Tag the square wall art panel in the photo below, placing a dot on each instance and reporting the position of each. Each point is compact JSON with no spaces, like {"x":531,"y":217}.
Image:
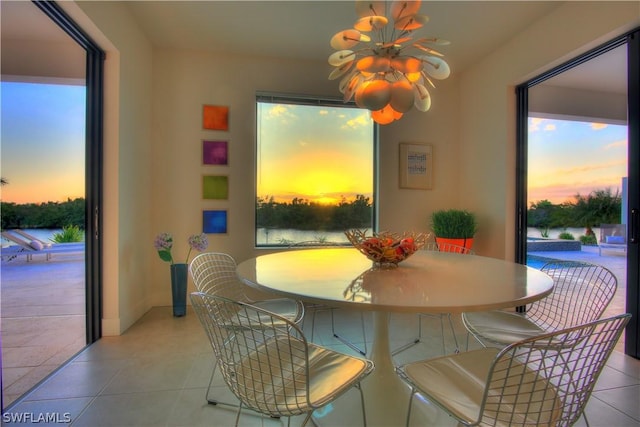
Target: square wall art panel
{"x":215,"y":153}
{"x":215,"y":117}
{"x":215,"y":187}
{"x":214,"y":222}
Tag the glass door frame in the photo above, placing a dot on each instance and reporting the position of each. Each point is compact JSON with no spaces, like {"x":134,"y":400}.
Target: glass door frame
{"x":631,"y":39}
{"x":93,"y":165}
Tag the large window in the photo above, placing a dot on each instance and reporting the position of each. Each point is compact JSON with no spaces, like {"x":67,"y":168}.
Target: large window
{"x":316,"y":162}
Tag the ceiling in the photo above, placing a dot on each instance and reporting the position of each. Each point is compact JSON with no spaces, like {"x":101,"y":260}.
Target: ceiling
{"x":302,"y":30}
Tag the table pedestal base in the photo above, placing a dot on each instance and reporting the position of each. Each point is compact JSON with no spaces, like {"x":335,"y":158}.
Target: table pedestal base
{"x":386,"y":395}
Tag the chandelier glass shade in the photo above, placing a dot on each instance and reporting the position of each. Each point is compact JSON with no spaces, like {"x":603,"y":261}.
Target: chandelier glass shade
{"x":381,"y":65}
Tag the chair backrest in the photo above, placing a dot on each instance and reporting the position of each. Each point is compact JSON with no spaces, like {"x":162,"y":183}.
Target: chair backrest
{"x":215,"y":273}
{"x":547,"y":380}
{"x":581,"y":293}
{"x":263,"y":357}
{"x":447,"y":247}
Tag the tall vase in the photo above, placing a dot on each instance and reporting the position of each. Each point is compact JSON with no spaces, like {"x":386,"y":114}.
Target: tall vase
{"x":179,"y":289}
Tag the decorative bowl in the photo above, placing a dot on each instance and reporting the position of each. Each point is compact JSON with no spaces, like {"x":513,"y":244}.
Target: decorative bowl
{"x":384,"y":248}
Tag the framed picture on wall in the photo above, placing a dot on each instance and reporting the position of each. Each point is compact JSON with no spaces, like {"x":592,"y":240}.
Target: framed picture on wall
{"x":215,"y":187}
{"x":214,"y":222}
{"x":416,"y":166}
{"x":215,"y":153}
{"x":215,"y":117}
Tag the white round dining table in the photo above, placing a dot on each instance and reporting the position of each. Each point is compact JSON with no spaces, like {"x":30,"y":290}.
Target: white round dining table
{"x":426,"y":282}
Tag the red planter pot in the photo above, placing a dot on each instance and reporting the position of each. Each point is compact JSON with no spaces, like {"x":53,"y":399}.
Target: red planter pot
{"x":464,"y":242}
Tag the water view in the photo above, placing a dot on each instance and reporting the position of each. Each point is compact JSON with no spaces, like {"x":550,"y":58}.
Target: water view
{"x":288,"y":236}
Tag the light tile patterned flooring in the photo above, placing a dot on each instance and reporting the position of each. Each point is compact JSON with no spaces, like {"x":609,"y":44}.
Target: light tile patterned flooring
{"x":157,"y":372}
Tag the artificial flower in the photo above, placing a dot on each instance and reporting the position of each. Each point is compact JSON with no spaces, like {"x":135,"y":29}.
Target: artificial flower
{"x":164,"y":244}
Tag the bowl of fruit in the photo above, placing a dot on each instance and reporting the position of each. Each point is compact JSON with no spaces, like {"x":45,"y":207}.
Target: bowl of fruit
{"x":386,"y":249}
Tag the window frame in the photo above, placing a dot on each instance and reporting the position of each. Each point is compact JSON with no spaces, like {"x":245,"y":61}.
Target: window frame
{"x":319,"y":101}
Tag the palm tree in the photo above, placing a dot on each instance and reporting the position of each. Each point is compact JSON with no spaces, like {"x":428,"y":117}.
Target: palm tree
{"x":3,"y":181}
{"x":599,"y":207}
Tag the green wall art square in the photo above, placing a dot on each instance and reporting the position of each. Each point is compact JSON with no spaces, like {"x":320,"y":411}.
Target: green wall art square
{"x":215,"y":187}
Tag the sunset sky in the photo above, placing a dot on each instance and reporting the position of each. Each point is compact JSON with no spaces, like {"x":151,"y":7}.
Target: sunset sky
{"x":42,"y":147}
{"x":568,"y":157}
{"x":339,"y":145}
{"x":42,"y":150}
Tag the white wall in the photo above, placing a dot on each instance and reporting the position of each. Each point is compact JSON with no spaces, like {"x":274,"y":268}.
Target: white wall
{"x":186,"y":80}
{"x":127,"y":247}
{"x":487,"y":120}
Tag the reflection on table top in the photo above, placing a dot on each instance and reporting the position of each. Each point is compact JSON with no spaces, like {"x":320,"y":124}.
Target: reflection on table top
{"x":428,"y":281}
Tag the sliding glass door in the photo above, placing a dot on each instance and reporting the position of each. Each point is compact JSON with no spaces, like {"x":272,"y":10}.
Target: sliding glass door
{"x":577,"y":166}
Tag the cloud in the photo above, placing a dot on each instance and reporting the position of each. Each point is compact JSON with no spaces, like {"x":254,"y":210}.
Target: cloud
{"x":616,"y":144}
{"x":598,"y":126}
{"x":359,"y":121}
{"x":590,"y":167}
{"x":282,"y":112}
{"x":561,"y":193}
{"x":534,"y":124}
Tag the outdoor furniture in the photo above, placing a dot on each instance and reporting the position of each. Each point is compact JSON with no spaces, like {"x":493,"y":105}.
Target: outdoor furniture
{"x":268,"y":364}
{"x":581,"y":293}
{"x":544,"y":380}
{"x":214,"y":273}
{"x":441,"y":247}
{"x":28,"y":248}
{"x":612,"y":236}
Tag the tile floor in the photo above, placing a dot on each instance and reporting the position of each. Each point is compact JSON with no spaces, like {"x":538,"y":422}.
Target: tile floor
{"x":42,"y":308}
{"x":157,"y":372}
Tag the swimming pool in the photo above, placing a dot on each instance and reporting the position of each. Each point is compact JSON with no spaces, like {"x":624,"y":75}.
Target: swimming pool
{"x":536,"y":261}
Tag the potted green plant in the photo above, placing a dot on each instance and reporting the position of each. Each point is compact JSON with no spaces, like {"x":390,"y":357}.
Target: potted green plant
{"x":454,"y":227}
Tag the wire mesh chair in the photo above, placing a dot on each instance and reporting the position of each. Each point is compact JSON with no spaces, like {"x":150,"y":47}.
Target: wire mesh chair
{"x":215,"y":273}
{"x":581,"y":293}
{"x":441,"y":247}
{"x":546,"y":380}
{"x":268,"y":364}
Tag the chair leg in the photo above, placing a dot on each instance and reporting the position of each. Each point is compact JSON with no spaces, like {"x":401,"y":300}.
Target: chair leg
{"x":213,"y":373}
{"x":306,"y":419}
{"x":238,"y":414}
{"x":476,"y":338}
{"x":413,"y":391}
{"x":349,"y":343}
{"x":210,"y":400}
{"x":313,"y":323}
{"x":364,"y":412}
{"x":411,"y":343}
{"x":453,"y":333}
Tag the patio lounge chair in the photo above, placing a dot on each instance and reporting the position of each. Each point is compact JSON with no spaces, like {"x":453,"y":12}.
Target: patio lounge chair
{"x":31,"y":238}
{"x":612,"y":236}
{"x":26,"y":248}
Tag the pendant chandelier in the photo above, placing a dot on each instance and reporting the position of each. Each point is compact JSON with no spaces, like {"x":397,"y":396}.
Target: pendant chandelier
{"x":380,"y":63}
